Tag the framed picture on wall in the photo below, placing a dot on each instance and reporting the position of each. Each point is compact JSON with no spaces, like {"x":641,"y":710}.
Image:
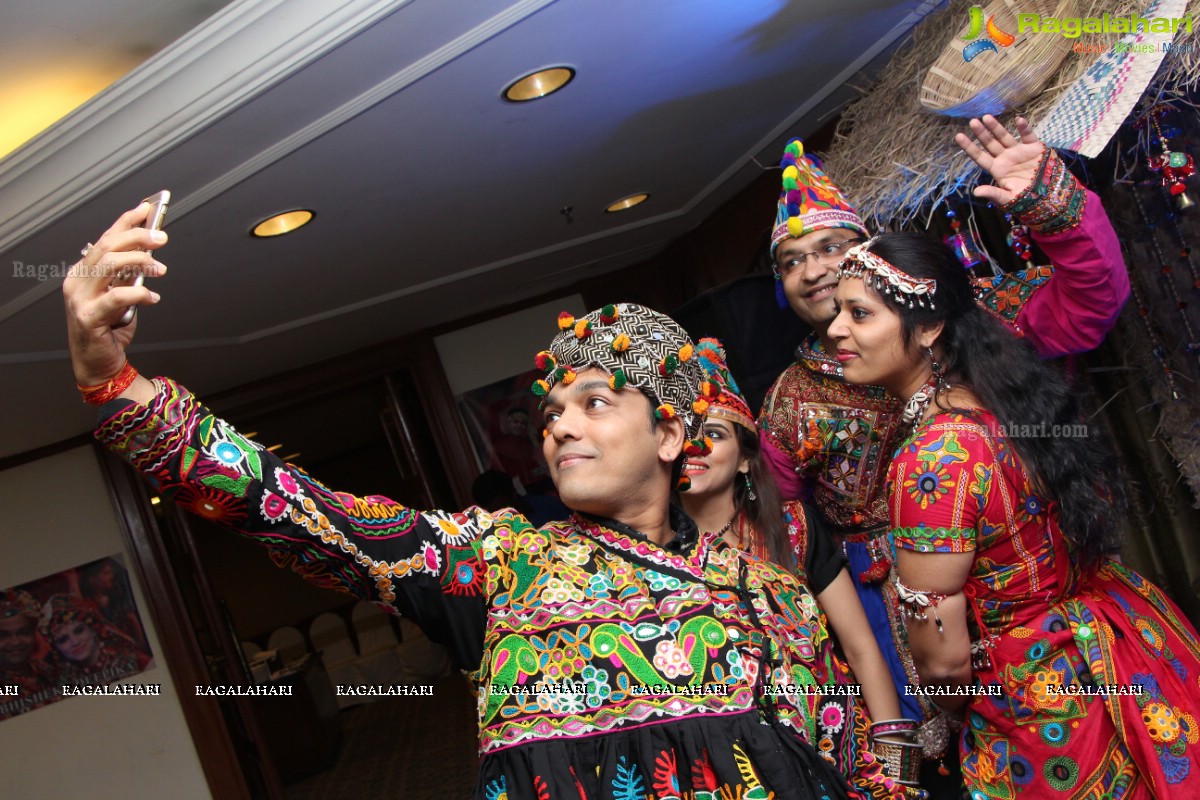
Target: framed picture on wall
{"x":76,"y":628}
{"x":505,"y":426}
{"x":489,"y":367}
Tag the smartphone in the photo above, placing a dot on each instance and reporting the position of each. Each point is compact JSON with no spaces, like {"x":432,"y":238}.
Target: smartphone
{"x":154,"y":221}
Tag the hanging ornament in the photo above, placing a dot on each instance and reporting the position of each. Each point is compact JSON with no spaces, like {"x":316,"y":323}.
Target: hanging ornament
{"x":1167,"y":281}
{"x":1019,"y":239}
{"x":1173,"y":166}
{"x":968,"y":250}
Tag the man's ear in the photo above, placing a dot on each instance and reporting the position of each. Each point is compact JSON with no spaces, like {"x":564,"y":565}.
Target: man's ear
{"x":671,"y":436}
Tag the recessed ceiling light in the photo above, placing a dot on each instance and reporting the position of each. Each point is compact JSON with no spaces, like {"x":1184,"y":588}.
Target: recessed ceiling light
{"x":283,"y":223}
{"x":627,"y":202}
{"x":538,"y":84}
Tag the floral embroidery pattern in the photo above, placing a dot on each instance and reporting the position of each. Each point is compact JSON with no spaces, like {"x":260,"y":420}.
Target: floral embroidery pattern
{"x":1048,"y":732}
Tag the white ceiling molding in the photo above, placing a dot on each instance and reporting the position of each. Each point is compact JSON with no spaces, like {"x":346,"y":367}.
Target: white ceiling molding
{"x":221,"y":65}
{"x":351,"y":109}
{"x":380,"y":92}
{"x":129,"y":157}
{"x":7,"y":359}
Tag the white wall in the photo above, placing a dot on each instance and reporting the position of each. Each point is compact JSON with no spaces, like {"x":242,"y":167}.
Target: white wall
{"x":57,"y":515}
{"x":502,"y":347}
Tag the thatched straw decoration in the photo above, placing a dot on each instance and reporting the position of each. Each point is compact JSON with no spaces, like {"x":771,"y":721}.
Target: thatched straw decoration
{"x":894,"y":160}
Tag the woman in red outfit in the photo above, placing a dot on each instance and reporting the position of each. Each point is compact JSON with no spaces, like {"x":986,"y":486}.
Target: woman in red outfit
{"x":1069,"y":674}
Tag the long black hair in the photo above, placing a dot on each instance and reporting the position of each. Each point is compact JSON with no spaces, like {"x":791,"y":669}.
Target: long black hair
{"x":1022,"y":392}
{"x":763,"y":513}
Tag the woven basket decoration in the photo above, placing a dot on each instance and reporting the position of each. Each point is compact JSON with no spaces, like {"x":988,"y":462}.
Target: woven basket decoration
{"x":989,"y":68}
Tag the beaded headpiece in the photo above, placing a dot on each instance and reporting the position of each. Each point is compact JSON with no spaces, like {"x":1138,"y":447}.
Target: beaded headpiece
{"x":729,"y":404}
{"x":639,"y":348}
{"x":63,"y":609}
{"x":886,"y":278}
{"x":809,"y":201}
{"x":18,"y":603}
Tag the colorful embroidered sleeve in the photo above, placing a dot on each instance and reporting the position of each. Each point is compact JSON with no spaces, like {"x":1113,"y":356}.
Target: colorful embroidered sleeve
{"x":422,"y":564}
{"x":938,"y":485}
{"x":791,"y":459}
{"x":783,"y":469}
{"x":1078,"y":306}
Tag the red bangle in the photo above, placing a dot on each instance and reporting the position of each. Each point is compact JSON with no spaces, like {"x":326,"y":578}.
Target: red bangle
{"x":101,"y":393}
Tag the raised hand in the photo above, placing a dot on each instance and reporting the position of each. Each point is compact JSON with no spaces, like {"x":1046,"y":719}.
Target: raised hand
{"x":1012,"y":162}
{"x":96,"y":299}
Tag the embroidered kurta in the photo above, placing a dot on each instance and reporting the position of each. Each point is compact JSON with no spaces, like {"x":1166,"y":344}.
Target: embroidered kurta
{"x":1054,"y":634}
{"x":607,"y":666}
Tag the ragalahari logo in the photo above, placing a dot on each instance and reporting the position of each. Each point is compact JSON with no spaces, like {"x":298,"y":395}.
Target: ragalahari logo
{"x":991,"y":33}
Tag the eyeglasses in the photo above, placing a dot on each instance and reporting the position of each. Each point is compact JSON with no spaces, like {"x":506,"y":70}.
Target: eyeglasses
{"x":826,"y":255}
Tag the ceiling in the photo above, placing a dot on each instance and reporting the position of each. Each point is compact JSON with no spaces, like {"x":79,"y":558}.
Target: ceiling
{"x":435,"y":200}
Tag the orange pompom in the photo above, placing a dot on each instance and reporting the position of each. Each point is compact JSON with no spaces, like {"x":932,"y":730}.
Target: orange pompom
{"x":621,"y":343}
{"x":583,"y":328}
{"x":565,"y":320}
{"x":812,"y":443}
{"x":685,"y":353}
{"x":700,"y":406}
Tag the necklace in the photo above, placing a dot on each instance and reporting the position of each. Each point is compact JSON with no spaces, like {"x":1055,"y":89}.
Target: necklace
{"x":725,"y":528}
{"x":914,"y":409}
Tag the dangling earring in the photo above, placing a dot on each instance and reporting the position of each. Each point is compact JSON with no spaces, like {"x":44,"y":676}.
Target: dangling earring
{"x":939,"y":377}
{"x":750,"y":495}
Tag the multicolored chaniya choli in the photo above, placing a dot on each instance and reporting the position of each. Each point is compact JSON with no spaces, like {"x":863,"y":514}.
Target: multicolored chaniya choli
{"x":607,"y":666}
{"x":1050,"y":633}
{"x":833,"y":441}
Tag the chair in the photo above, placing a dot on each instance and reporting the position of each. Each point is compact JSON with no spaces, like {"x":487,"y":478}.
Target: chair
{"x":373,"y":628}
{"x":329,"y":636}
{"x":289,"y":642}
{"x":386,"y":660}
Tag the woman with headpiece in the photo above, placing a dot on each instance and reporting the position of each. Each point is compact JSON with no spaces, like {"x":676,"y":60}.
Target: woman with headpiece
{"x":1066,"y":673}
{"x":87,"y":650}
{"x":731,"y":491}
{"x":831,"y":441}
{"x":104,"y":583}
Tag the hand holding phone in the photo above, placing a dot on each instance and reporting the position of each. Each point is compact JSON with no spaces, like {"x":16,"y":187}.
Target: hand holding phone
{"x":154,"y":221}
